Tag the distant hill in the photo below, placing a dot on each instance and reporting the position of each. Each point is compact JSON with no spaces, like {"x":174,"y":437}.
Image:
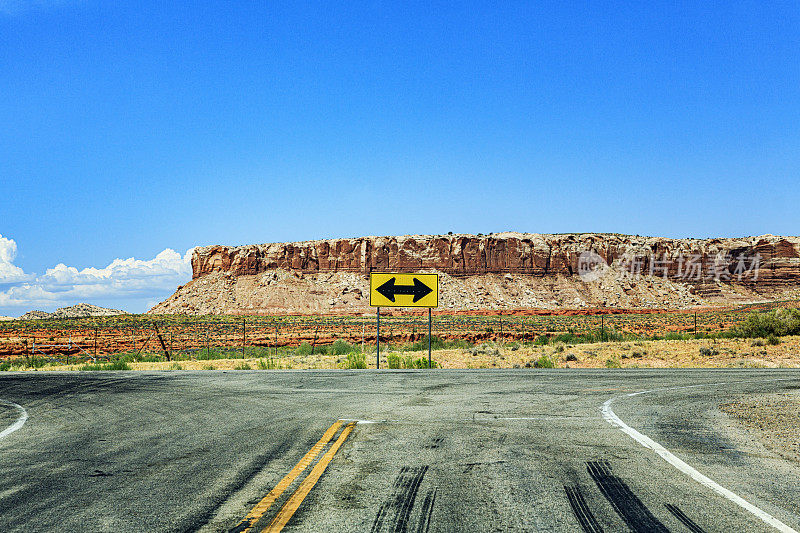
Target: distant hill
{"x":74,"y":311}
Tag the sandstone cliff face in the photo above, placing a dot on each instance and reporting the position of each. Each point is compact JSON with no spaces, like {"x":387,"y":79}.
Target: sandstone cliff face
{"x":514,"y":253}
{"x":725,"y":268}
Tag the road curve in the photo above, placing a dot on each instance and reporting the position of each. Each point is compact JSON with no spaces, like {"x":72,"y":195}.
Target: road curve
{"x":22,"y":417}
{"x":683,"y":467}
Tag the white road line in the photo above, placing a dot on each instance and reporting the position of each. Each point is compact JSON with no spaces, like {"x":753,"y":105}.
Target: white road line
{"x":23,"y":416}
{"x":668,"y":456}
{"x":543,"y":417}
{"x":359,"y":421}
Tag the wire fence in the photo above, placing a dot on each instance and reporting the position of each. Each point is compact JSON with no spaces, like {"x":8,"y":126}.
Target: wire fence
{"x":101,"y":338}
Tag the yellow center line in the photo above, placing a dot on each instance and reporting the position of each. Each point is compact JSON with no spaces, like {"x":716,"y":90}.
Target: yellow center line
{"x":291,"y":506}
{"x":261,"y":507}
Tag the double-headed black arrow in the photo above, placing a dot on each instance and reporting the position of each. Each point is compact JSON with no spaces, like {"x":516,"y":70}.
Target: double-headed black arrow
{"x":419,"y":290}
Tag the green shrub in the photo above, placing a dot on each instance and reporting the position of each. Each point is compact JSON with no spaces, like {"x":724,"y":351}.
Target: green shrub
{"x":115,"y":365}
{"x":242,"y":366}
{"x":542,"y":340}
{"x":708,"y":351}
{"x":544,"y":362}
{"x":773,"y":340}
{"x":587,"y":337}
{"x":566,"y":338}
{"x":422,"y":362}
{"x":5,"y":365}
{"x":142,"y":358}
{"x":340,"y":347}
{"x":304,"y":348}
{"x":355,"y":360}
{"x":393,"y":360}
{"x":437,"y":343}
{"x":778,"y":323}
{"x":33,"y":361}
{"x":175,"y":366}
{"x":269,"y":364}
{"x":214,"y":353}
{"x":613,"y":363}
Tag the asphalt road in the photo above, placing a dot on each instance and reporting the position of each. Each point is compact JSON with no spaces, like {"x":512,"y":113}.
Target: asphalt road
{"x":494,"y":450}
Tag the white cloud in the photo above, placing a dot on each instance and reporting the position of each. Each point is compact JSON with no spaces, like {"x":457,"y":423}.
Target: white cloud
{"x":9,"y":272}
{"x":65,"y":285}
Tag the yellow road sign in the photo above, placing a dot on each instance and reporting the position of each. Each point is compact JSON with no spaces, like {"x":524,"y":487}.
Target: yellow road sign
{"x":394,"y":289}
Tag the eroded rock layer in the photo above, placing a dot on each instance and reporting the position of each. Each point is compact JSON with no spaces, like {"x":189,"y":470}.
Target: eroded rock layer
{"x":641,"y":271}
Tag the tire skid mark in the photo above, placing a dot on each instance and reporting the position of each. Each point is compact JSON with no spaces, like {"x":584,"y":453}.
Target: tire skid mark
{"x":685,"y":520}
{"x":582,"y":512}
{"x":427,"y":510}
{"x":630,"y":508}
{"x":401,"y":524}
{"x":401,"y":502}
{"x":435,"y":443}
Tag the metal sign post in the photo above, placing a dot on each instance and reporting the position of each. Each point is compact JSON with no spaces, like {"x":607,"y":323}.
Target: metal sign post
{"x":378,"y":345}
{"x":429,"y":337}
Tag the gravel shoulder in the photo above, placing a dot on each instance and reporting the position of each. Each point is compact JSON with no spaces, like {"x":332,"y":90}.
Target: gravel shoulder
{"x":773,"y":418}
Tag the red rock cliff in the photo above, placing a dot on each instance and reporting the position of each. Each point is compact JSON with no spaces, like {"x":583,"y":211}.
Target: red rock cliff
{"x":517,"y":253}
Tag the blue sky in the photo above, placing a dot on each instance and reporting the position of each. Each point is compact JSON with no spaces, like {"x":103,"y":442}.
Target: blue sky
{"x":131,"y":128}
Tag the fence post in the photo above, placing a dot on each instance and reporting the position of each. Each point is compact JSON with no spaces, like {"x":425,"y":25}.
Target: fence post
{"x":313,"y":344}
{"x":602,"y":328}
{"x":244,"y":335}
{"x":163,"y":344}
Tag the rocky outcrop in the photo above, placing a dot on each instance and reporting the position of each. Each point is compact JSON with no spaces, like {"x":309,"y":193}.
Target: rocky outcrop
{"x":34,"y":315}
{"x":708,"y":268}
{"x":81,"y":310}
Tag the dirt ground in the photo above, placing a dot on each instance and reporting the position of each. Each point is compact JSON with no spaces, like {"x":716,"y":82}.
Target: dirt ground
{"x":774,"y":418}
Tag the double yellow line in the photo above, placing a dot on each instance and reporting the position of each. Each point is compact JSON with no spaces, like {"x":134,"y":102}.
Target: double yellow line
{"x":293,"y":503}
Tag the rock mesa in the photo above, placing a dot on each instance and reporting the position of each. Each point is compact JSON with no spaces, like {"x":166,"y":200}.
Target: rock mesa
{"x":498,"y":271}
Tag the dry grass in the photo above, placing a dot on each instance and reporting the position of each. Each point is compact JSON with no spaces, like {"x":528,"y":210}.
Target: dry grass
{"x":726,"y":353}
